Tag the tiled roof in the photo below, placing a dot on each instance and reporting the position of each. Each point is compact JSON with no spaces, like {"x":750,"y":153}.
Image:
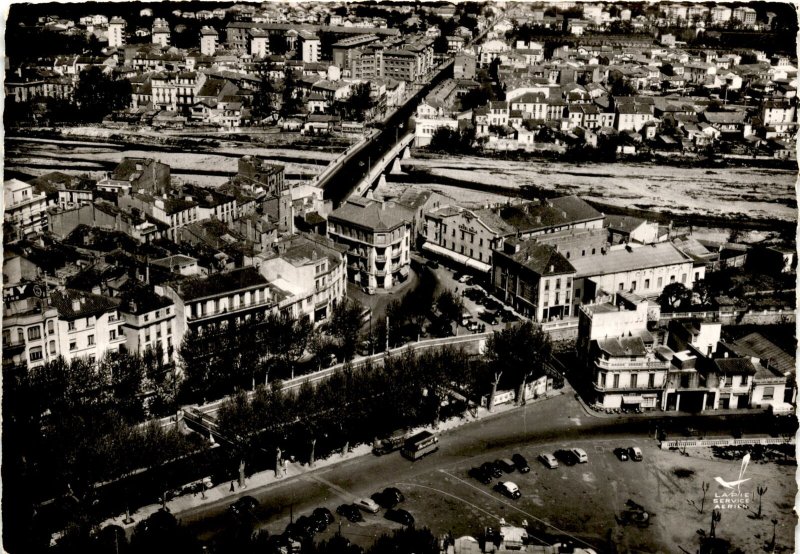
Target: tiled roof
{"x":623,"y":222}
{"x":371,"y":214}
{"x":738,"y":366}
{"x":88,"y":304}
{"x":220,"y":283}
{"x":143,"y":300}
{"x":623,"y":346}
{"x":621,"y":260}
{"x":542,"y":259}
{"x":757,"y":346}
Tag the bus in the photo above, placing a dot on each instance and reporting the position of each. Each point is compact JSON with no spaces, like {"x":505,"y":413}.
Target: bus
{"x":420,"y":445}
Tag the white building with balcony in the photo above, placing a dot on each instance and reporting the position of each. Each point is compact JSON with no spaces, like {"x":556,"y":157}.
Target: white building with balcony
{"x":89,"y":325}
{"x":25,"y":210}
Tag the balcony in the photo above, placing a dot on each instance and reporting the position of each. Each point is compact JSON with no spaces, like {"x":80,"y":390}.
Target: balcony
{"x":631,"y":364}
{"x":639,"y":389}
{"x":380,"y":259}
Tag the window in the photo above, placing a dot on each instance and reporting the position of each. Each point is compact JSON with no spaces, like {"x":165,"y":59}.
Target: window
{"x":616,"y":380}
{"x":683,"y":278}
{"x":634,"y":380}
{"x":647,"y":284}
{"x":568,"y":255}
{"x":73,"y":345}
{"x":91,"y":340}
{"x":696,"y":275}
{"x":71,"y":325}
{"x":51,"y":327}
{"x":36,"y":353}
{"x":112,"y":334}
{"x":52,"y":348}
{"x":660,"y":282}
{"x":546,"y":284}
{"x":622,"y":286}
{"x":578,"y":293}
{"x":633,"y":285}
{"x":583,"y":252}
{"x":769,"y":393}
{"x":745,"y":379}
{"x":593,"y":251}
{"x":557,"y":302}
{"x":34,"y":333}
{"x":671,"y":278}
{"x":603,"y":379}
{"x":651,"y":380}
{"x":558,"y":283}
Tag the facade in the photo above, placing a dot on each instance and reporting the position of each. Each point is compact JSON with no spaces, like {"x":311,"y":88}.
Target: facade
{"x":378,"y":238}
{"x":533,"y":278}
{"x":466,"y":236}
{"x":24,"y":210}
{"x":259,"y":43}
{"x":143,"y":174}
{"x":464,"y":66}
{"x":208,"y":41}
{"x":263,"y":175}
{"x":116,"y":32}
{"x":312,"y":270}
{"x":160,"y":33}
{"x":30,"y":333}
{"x":149,"y":324}
{"x":310,"y":47}
{"x":89,"y":325}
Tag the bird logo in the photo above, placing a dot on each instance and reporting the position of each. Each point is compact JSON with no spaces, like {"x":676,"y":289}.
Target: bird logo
{"x":738,"y":482}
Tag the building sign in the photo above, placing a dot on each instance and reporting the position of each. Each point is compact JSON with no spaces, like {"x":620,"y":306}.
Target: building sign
{"x":26,"y":290}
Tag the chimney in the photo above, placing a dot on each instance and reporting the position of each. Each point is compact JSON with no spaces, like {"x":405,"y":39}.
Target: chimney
{"x":552,"y":268}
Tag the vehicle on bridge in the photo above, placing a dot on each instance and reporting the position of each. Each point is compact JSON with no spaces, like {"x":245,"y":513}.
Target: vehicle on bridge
{"x":420,"y":445}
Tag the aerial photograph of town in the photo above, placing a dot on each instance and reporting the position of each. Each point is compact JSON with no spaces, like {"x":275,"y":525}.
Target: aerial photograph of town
{"x":399,"y":277}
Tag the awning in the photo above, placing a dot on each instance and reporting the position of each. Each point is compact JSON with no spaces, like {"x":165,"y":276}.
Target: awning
{"x":632,"y":399}
{"x":456,"y":257}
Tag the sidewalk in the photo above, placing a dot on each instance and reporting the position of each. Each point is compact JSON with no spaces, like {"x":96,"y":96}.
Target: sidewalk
{"x":294,"y":470}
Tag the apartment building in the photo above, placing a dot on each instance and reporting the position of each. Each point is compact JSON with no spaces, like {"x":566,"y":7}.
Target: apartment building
{"x":30,"y":328}
{"x":149,"y":323}
{"x":116,"y":32}
{"x":209,"y":41}
{"x":25,"y":210}
{"x":378,"y":238}
{"x":89,"y":325}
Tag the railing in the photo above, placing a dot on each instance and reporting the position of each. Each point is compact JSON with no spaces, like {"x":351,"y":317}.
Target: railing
{"x":698,"y":443}
{"x":561,"y":324}
{"x":632,"y":364}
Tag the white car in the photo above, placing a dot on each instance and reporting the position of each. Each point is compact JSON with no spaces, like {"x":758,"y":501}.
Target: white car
{"x":509,"y":489}
{"x":580,"y":455}
{"x":368,"y":505}
{"x":548,"y":460}
{"x":463,"y":278}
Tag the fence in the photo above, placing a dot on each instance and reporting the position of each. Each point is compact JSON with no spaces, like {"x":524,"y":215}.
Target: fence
{"x":738,"y":317}
{"x":697,"y":443}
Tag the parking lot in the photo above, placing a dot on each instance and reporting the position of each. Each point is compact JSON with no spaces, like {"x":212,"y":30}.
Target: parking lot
{"x":585,"y":501}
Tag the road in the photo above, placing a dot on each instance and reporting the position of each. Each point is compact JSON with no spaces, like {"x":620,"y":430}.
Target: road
{"x":555,"y":420}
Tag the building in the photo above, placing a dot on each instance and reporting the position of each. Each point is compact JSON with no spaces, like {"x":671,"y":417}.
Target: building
{"x":89,"y":325}
{"x":378,"y":238}
{"x":206,"y":302}
{"x":312,"y":269}
{"x":259,"y":43}
{"x":30,"y":328}
{"x":143,"y":175}
{"x":744,"y":15}
{"x":310,"y":47}
{"x":116,"y":32}
{"x":24,"y":210}
{"x":399,"y":64}
{"x":149,"y":323}
{"x":464,"y":66}
{"x":643,"y":270}
{"x":533,"y":278}
{"x":624,"y":367}
{"x":720,"y":15}
{"x":174,"y":212}
{"x":624,"y":229}
{"x":209,"y":40}
{"x":160,"y":32}
{"x":262,"y":174}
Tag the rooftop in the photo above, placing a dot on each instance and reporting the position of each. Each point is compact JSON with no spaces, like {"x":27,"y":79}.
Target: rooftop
{"x":628,"y":259}
{"x":374,"y":215}
{"x":220,"y":283}
{"x":74,"y":304}
{"x":757,"y":346}
{"x":542,"y":259}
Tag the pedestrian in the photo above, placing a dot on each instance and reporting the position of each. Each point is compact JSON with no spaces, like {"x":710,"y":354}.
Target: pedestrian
{"x":232,"y":489}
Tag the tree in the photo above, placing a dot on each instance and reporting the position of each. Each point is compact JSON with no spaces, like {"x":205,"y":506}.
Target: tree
{"x":359,"y":103}
{"x":521,"y":353}
{"x":761,"y":490}
{"x":450,"y":305}
{"x":675,"y":295}
{"x":287,"y":338}
{"x":440,"y":45}
{"x":704,"y":292}
{"x":263,"y":106}
{"x":97,"y":94}
{"x":344,"y":325}
{"x":290,"y":103}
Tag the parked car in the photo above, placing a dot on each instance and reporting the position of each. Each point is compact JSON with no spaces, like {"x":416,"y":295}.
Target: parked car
{"x":394,"y":491}
{"x":481,"y":475}
{"x":306,"y":525}
{"x":548,"y":460}
{"x":433,"y":264}
{"x":509,"y":317}
{"x":350,"y":512}
{"x":566,"y":457}
{"x":490,"y":318}
{"x":635,"y":453}
{"x":621,"y":454}
{"x":492,"y":470}
{"x":302,"y":531}
{"x":368,"y":505}
{"x":322,"y":517}
{"x":506,"y":465}
{"x":580,"y":455}
{"x":464,"y":278}
{"x":244,"y":505}
{"x":400,"y":516}
{"x":492,"y":304}
{"x":521,"y":463}
{"x":388,"y":498}
{"x":508,"y":489}
{"x":474,"y":326}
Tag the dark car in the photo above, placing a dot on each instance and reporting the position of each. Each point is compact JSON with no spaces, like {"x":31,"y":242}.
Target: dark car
{"x":621,"y":454}
{"x":521,"y":463}
{"x":400,"y":516}
{"x":322,"y":517}
{"x":506,"y":465}
{"x":388,"y":498}
{"x":566,"y":457}
{"x":481,"y":475}
{"x":509,"y":317}
{"x":491,"y":469}
{"x":350,"y":512}
{"x":433,"y":264}
{"x":492,"y":304}
{"x":306,"y":525}
{"x":244,"y":505}
{"x":490,"y":318}
{"x":300,"y":531}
